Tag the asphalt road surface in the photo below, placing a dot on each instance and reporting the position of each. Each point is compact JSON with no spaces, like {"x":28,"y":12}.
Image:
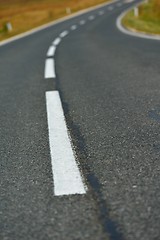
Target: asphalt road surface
{"x":109,"y":86}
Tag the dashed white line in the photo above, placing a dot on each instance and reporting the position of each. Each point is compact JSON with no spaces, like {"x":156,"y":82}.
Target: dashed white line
{"x":101,"y":13}
{"x":63,"y":34}
{"x":49,"y":71}
{"x":119,"y":4}
{"x":91,"y":17}
{"x":82,"y":22}
{"x":73,"y":27}
{"x":110,"y":8}
{"x":53,"y":23}
{"x":56,"y":41}
{"x":66,"y":175}
{"x":51,"y":51}
{"x":128,"y":1}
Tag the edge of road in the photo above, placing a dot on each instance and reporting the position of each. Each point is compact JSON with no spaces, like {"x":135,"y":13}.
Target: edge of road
{"x":131,"y":31}
{"x":55,"y":22}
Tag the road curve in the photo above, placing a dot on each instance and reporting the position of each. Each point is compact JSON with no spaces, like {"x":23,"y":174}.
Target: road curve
{"x":108,"y":84}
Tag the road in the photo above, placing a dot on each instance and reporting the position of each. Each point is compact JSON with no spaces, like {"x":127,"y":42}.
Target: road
{"x":109,"y":86}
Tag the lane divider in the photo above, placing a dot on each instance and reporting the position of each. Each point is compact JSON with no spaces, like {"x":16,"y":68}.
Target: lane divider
{"x":101,"y":13}
{"x":51,"y":51}
{"x":73,"y":27}
{"x":55,"y":22}
{"x":110,"y":8}
{"x":119,"y":4}
{"x":91,"y":17}
{"x":57,"y":41}
{"x":82,"y":22}
{"x":63,"y":34}
{"x":66,"y":174}
{"x":49,"y":68}
{"x":50,"y":73}
{"x":67,"y":177}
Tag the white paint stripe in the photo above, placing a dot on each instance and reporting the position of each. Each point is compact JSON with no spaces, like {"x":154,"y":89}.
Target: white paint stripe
{"x":53,"y":23}
{"x":66,"y":175}
{"x":128,"y":1}
{"x":119,"y":4}
{"x":51,"y":51}
{"x":56,"y":41}
{"x":91,"y":17}
{"x":63,"y":34}
{"x":110,"y":8}
{"x":73,"y":27}
{"x":82,"y":22}
{"x":49,"y":71}
{"x":101,"y":13}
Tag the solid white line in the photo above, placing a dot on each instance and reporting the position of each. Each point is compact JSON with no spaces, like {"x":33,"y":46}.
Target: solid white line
{"x":56,"y":41}
{"x":66,"y":175}
{"x":82,"y":22}
{"x":49,"y":71}
{"x":63,"y":34}
{"x":73,"y":27}
{"x":51,"y":51}
{"x":91,"y":17}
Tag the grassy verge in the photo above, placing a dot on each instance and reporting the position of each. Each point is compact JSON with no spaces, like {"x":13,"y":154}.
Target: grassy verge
{"x":27,"y":14}
{"x":148,"y":19}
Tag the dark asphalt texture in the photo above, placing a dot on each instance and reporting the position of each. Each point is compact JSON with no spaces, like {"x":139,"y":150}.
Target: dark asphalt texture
{"x":110,"y":89}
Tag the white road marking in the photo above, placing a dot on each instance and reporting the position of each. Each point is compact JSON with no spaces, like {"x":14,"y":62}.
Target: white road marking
{"x":101,"y":13}
{"x":82,"y":22}
{"x":110,"y":8}
{"x":66,"y":175}
{"x":51,"y":51}
{"x":128,"y":1}
{"x":63,"y":34}
{"x":56,"y":41}
{"x":49,"y":71}
{"x":73,"y":27}
{"x":91,"y":17}
{"x":119,"y":4}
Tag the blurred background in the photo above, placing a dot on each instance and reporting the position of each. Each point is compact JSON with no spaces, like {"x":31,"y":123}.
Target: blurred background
{"x":17,"y":16}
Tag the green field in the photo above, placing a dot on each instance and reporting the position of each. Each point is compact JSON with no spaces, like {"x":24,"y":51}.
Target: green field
{"x":27,"y":14}
{"x":148,"y":20}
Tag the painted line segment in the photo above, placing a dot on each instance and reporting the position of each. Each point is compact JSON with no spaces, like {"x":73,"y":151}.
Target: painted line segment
{"x":119,"y":4}
{"x":82,"y":22}
{"x":49,"y":71}
{"x":101,"y":13}
{"x":56,"y":41}
{"x":51,"y":51}
{"x":66,"y":175}
{"x":63,"y":34}
{"x":91,"y":17}
{"x":73,"y":27}
{"x":110,"y":8}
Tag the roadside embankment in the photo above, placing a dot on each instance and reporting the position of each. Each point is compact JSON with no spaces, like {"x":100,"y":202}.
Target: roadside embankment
{"x":144,"y":18}
{"x":18,"y":16}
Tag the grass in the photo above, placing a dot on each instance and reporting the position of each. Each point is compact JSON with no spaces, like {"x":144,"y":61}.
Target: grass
{"x":27,"y":14}
{"x":148,"y":20}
